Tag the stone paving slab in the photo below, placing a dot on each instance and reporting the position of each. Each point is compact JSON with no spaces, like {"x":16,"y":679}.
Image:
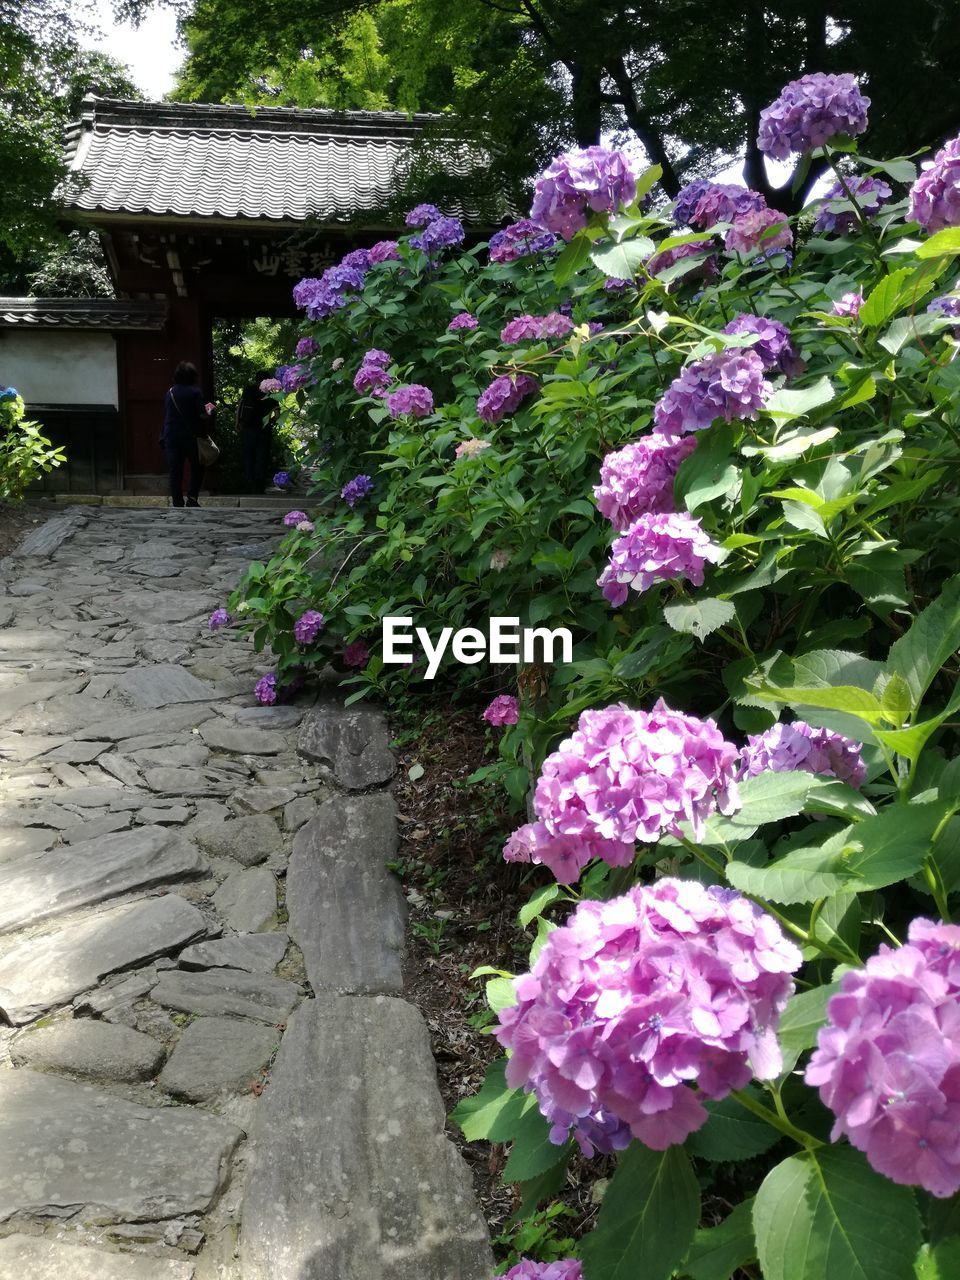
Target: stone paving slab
{"x":227,"y":992}
{"x":34,"y":1258}
{"x":354,"y":742}
{"x":73,"y":1146}
{"x":350,"y":1172}
{"x":162,"y":685}
{"x":254,"y":952}
{"x":90,"y":1049}
{"x":218,"y":1055}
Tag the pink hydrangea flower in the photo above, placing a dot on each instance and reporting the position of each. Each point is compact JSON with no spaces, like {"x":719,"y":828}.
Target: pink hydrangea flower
{"x":723,"y":202}
{"x":625,"y":776}
{"x":764,"y":229}
{"x":384,"y":251}
{"x":887,"y":1063}
{"x":639,"y":477}
{"x":566,"y":1269}
{"x":502,"y":710}
{"x":935,"y":196}
{"x":470,"y":448}
{"x":658,"y":546}
{"x":307,"y":627}
{"x":462,"y":320}
{"x":294,"y":517}
{"x":415,"y":400}
{"x":707,"y":267}
{"x":270,"y":385}
{"x":799,"y":745}
{"x":521,"y":329}
{"x":848,"y":305}
{"x":356,"y":654}
{"x":597,"y":178}
{"x":727,"y":385}
{"x":636,"y":1000}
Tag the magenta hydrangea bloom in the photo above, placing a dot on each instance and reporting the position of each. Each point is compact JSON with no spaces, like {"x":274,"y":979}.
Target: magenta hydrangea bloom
{"x":520,"y":329}
{"x":848,"y":305}
{"x":625,"y":776}
{"x":356,"y":489}
{"x":639,"y":478}
{"x":935,"y":196}
{"x":462,"y":320}
{"x":887,"y":1063}
{"x":723,"y":202}
{"x":702,"y":270}
{"x":270,"y":385}
{"x":765,"y":229}
{"x":799,"y":745}
{"x":504,"y":395}
{"x":265,"y":690}
{"x":219,"y":618}
{"x":356,"y":654}
{"x":421,"y":214}
{"x":566,"y":1269}
{"x":384,"y":251}
{"x":774,"y":345}
{"x":502,"y":710}
{"x":294,"y":517}
{"x":657,"y":547}
{"x":597,"y":178}
{"x":307,"y":627}
{"x":520,"y":240}
{"x":414,"y":399}
{"x":870,"y":194}
{"x":306,"y":347}
{"x":639,"y":1007}
{"x":727,"y":385}
{"x":809,"y":112}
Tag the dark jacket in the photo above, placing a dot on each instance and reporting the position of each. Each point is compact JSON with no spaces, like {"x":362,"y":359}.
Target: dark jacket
{"x":184,"y":416}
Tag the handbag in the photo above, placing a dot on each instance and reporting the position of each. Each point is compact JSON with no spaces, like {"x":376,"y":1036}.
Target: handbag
{"x":207,"y":451}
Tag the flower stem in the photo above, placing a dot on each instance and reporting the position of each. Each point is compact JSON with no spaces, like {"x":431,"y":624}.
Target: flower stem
{"x":777,"y":1119}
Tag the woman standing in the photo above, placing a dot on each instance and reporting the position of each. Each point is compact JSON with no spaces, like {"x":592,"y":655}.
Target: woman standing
{"x":185,"y":416}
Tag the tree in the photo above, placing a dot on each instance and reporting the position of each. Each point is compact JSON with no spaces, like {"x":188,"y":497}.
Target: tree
{"x":687,"y":78}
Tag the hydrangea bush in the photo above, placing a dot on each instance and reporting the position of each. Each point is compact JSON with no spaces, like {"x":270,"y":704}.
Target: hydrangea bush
{"x":721,"y":447}
{"x":25,"y":452}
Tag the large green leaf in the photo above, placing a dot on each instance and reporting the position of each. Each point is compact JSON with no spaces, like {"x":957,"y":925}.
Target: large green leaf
{"x":699,"y":617}
{"x":944,"y":243}
{"x":732,"y":1133}
{"x":769,"y":797}
{"x":623,"y":260}
{"x":709,"y":471}
{"x":846,"y":698}
{"x":805,"y":1014}
{"x":933,"y":638}
{"x":647,"y":1220}
{"x":884,"y":300}
{"x":716,"y":1253}
{"x":787,"y":404}
{"x":826,"y":1215}
{"x":574,"y":256}
{"x":494,"y":1113}
{"x":803,"y":875}
{"x":532,"y":1152}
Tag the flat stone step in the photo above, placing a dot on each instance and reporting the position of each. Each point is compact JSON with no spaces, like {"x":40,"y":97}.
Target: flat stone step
{"x":354,"y":742}
{"x":39,"y":1258}
{"x":350,"y":1172}
{"x":227,"y":992}
{"x":73,"y":1146}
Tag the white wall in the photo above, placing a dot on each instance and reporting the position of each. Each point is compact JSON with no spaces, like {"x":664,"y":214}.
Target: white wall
{"x":54,"y":366}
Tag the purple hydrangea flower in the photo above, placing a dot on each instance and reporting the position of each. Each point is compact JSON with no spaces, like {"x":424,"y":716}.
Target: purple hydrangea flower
{"x":809,"y":112}
{"x":282,"y":480}
{"x":656,"y":547}
{"x":935,"y":196}
{"x":597,"y":178}
{"x":727,"y":385}
{"x":615,"y":284}
{"x":379,"y":359}
{"x":723,"y":202}
{"x":848,"y":305}
{"x":306,"y":347}
{"x":887,"y":1063}
{"x":504,"y":395}
{"x":294,"y":517}
{"x":462,"y":320}
{"x":219,"y":618}
{"x":948,"y":305}
{"x":270,"y":385}
{"x":869,"y":193}
{"x":567,"y":1269}
{"x":293,"y":376}
{"x":421,"y":214}
{"x":798,"y":745}
{"x":356,"y":654}
{"x":686,"y":200}
{"x":774,"y":345}
{"x":265,"y":690}
{"x":307,"y":627}
{"x":414,"y":399}
{"x":704,"y":269}
{"x":356,"y":489}
{"x":636,"y":1000}
{"x":437,"y":235}
{"x":371,"y":380}
{"x":764,"y":229}
{"x":384,"y":251}
{"x":520,"y":240}
{"x":639,"y":478}
{"x":356,"y":259}
{"x":502,"y":710}
{"x":527,"y":328}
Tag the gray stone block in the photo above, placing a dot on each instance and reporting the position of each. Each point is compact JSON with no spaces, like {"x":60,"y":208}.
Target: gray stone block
{"x":93,"y":1050}
{"x":353,"y":742}
{"x":347,"y":911}
{"x":40,"y":1258}
{"x":244,"y":740}
{"x":350,"y":1173}
{"x":77,"y":1147}
{"x":218,"y":1055}
{"x":247,"y":900}
{"x":253,"y":952}
{"x":247,"y":840}
{"x":227,"y":993}
{"x":162,"y":685}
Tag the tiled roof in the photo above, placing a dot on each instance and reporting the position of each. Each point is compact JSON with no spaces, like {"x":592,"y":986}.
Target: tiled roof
{"x":281,"y":164}
{"x":81,"y":313}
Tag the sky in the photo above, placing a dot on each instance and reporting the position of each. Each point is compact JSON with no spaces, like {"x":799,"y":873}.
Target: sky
{"x":148,"y":50}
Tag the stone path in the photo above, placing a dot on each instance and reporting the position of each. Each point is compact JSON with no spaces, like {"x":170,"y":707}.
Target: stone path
{"x":207,"y":1068}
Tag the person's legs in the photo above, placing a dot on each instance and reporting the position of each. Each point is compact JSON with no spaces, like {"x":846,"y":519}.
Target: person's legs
{"x":264,"y":452}
{"x":175,"y":459}
{"x":250,"y":443}
{"x":196,"y":475}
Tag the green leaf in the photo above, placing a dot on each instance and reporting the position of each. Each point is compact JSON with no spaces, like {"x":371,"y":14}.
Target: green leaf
{"x":846,"y":698}
{"x":905,"y":328}
{"x":732,"y":1133}
{"x":878,"y":577}
{"x":896,"y":700}
{"x":544,"y":1186}
{"x":709,"y":471}
{"x":717,"y":1252}
{"x":415,"y":772}
{"x":826,"y":1215}
{"x":939,"y":1261}
{"x":623,"y":260}
{"x":803,"y":875}
{"x":787,"y":404}
{"x":699,"y":617}
{"x":900,"y":170}
{"x":574,"y":256}
{"x":805,"y":1014}
{"x":648,"y":1217}
{"x":500,"y":994}
{"x":532,"y":1152}
{"x":769,"y":797}
{"x":943,"y":244}
{"x":883,"y":301}
{"x":933,"y":638}
{"x":539,"y":903}
{"x":792,"y":445}
{"x":494,"y":1113}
